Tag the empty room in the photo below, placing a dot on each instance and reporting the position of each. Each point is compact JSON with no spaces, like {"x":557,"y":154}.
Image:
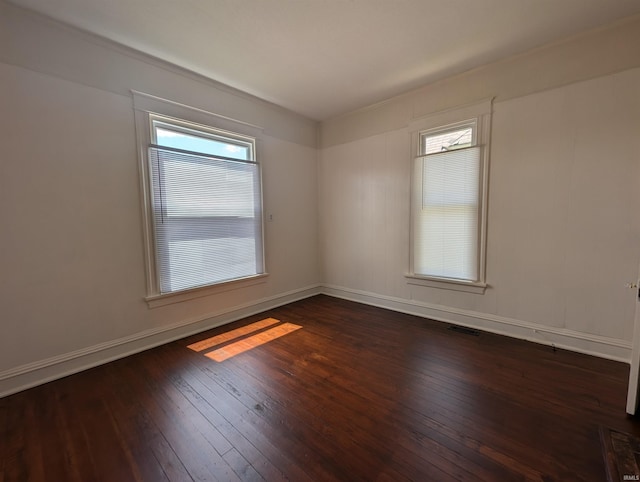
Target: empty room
{"x":319,"y":240}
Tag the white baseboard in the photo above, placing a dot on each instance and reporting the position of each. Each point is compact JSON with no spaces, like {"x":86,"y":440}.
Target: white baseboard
{"x":26,"y":376}
{"x":600,"y":346}
{"x":43,"y":371}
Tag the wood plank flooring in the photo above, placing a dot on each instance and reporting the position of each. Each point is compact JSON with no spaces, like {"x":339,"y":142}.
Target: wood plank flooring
{"x":357,"y":394}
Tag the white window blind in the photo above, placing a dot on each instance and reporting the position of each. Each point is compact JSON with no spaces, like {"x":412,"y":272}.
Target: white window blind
{"x":446,"y":220}
{"x":206,"y":210}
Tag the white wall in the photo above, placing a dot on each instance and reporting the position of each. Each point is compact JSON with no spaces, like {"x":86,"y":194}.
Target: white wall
{"x":72,"y":286}
{"x":563,"y":235}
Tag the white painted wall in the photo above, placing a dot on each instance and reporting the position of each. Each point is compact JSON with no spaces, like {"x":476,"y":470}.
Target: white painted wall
{"x":563,"y":235}
{"x":565,"y":232}
{"x":72,"y":269}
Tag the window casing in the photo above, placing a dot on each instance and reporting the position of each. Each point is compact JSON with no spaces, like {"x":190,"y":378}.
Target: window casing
{"x":448,"y":208}
{"x":202,"y":200}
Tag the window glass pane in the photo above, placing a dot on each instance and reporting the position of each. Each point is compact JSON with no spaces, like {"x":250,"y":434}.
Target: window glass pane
{"x":207,"y":210}
{"x":207,"y":145}
{"x":447,"y":141}
{"x":199,"y":262}
{"x":451,"y":178}
{"x":448,"y":237}
{"x":446,"y":222}
{"x":197,"y":187}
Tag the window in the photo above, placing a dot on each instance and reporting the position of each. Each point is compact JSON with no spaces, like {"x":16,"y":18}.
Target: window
{"x":203,"y":202}
{"x":448,"y":205}
{"x":206,"y":205}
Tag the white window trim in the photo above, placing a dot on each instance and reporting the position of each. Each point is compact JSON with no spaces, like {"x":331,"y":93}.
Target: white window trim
{"x":444,"y":120}
{"x":145,"y":106}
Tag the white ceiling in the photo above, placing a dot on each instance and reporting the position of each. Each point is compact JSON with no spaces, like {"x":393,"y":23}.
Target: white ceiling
{"x":322,"y":58}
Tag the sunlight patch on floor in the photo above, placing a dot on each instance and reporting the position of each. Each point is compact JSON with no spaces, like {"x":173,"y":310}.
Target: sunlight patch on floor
{"x":233,"y":334}
{"x":243,"y":344}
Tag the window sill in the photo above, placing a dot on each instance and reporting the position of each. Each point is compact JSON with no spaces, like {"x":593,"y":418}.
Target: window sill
{"x":164,"y":299}
{"x":447,"y":284}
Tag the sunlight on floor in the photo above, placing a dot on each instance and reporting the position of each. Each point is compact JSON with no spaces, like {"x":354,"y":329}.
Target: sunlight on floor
{"x":243,"y":344}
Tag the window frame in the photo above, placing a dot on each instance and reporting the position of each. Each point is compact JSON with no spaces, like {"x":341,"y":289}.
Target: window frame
{"x":200,"y":130}
{"x":147,"y":109}
{"x":479,"y":117}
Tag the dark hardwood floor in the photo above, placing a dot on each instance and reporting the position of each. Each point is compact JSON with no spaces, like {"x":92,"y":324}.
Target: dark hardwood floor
{"x":357,"y":394}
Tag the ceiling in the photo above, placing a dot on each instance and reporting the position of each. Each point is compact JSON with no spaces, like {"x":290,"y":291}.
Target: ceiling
{"x":322,"y":58}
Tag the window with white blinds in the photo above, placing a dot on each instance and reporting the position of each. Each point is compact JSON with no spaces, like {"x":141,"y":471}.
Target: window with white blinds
{"x":447,"y":204}
{"x":206,"y":203}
